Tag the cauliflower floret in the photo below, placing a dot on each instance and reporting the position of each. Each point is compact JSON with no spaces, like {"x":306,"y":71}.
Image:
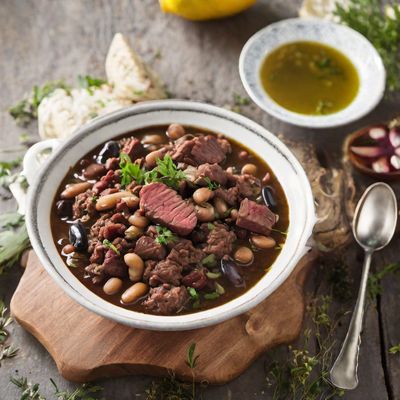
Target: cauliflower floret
{"x":61,"y":113}
{"x":129,"y":75}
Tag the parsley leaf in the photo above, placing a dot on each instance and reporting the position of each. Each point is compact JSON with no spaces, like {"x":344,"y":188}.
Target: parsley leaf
{"x":211,"y":185}
{"x":130,"y":171}
{"x":191,"y":358}
{"x":165,"y":236}
{"x":110,"y":246}
{"x":166,"y":172}
{"x":25,"y":110}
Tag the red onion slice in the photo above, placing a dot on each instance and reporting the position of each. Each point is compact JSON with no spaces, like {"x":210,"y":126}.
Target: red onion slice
{"x":377,"y":132}
{"x":381,"y":165}
{"x":394,"y":137}
{"x":395,"y":161}
{"x":367,"y":151}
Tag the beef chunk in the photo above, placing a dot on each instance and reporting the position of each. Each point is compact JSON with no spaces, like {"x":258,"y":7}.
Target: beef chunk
{"x":229,"y":195}
{"x":248,"y":186}
{"x":112,"y":163}
{"x":220,"y":241}
{"x":112,"y":265}
{"x":200,"y":150}
{"x":134,"y":148}
{"x":213,"y":172}
{"x":110,"y":231}
{"x":164,"y":206}
{"x":166,"y":271}
{"x":148,"y":249}
{"x":98,"y":254}
{"x":196,"y":279}
{"x":255,"y":217}
{"x":200,"y":234}
{"x":106,"y":181}
{"x":184,"y":253}
{"x":84,"y":205}
{"x":166,"y":300}
{"x":148,"y":267}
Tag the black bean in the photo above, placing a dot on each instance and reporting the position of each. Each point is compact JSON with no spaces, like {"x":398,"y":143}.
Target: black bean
{"x":268,"y":195}
{"x":64,"y":208}
{"x":78,"y":236}
{"x":230,"y":270}
{"x":110,"y":149}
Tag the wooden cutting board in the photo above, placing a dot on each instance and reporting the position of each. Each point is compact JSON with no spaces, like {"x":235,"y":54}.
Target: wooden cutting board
{"x":86,"y":346}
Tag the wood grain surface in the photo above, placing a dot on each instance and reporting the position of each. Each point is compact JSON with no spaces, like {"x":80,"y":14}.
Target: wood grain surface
{"x":42,"y":40}
{"x":114,"y":350}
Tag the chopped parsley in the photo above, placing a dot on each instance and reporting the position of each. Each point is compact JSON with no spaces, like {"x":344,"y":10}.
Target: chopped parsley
{"x":211,"y":185}
{"x":130,"y":171}
{"x":110,"y":246}
{"x":165,"y":236}
{"x":166,"y":172}
{"x":88,"y":82}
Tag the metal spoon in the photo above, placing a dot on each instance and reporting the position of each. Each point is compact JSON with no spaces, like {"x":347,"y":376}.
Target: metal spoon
{"x":373,"y":227}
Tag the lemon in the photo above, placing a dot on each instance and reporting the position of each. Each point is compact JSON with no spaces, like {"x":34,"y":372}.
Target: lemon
{"x":198,"y":10}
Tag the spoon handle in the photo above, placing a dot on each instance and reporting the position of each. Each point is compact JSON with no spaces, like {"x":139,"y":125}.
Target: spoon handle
{"x":344,"y":371}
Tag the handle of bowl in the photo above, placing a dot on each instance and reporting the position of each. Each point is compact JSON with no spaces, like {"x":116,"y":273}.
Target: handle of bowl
{"x":34,"y":159}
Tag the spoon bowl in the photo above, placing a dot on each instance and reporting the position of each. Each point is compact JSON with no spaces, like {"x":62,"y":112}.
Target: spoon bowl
{"x":375,"y":217}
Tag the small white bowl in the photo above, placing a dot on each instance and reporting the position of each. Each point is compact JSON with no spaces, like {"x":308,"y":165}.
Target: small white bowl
{"x":355,"y":46}
{"x":44,"y":181}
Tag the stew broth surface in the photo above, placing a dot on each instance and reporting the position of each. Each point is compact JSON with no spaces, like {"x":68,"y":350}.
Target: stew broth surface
{"x":263,"y":259}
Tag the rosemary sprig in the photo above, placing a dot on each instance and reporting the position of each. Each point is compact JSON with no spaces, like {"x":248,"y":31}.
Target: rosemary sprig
{"x":6,"y":351}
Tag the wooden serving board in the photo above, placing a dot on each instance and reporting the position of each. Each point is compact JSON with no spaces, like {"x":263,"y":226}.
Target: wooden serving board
{"x":86,"y":346}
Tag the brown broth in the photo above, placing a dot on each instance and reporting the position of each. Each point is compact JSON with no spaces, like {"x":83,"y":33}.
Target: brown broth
{"x":252,"y":274}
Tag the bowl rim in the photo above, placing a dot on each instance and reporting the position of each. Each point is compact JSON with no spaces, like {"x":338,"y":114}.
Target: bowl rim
{"x":186,"y":321}
{"x":325,"y":121}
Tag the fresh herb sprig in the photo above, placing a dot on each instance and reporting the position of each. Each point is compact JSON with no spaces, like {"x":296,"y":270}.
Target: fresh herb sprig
{"x":165,"y":236}
{"x":109,"y":245}
{"x":370,"y":19}
{"x":89,"y":82}
{"x":25,"y":110}
{"x":211,"y":184}
{"x":130,"y":171}
{"x":13,"y":239}
{"x":195,"y":297}
{"x":395,"y":349}
{"x":166,"y":172}
{"x":374,"y":279}
{"x":6,"y":351}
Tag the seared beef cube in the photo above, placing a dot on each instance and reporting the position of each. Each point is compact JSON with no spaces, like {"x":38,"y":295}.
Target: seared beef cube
{"x":148,"y":249}
{"x":255,"y":217}
{"x":213,"y":172}
{"x":134,"y":148}
{"x":113,"y":265}
{"x":164,"y":206}
{"x":248,"y":186}
{"x":200,"y":150}
{"x":184,"y":253}
{"x":166,"y":271}
{"x":98,"y":254}
{"x":84,"y":205}
{"x":166,"y":301}
{"x":196,"y":279}
{"x":230,"y":196}
{"x":106,"y":181}
{"x":220,"y":241}
{"x":110,"y":231}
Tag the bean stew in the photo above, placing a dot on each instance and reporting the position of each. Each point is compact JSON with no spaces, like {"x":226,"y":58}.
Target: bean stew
{"x":169,"y":220}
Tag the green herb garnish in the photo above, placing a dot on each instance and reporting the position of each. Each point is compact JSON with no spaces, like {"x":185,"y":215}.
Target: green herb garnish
{"x":130,"y":171}
{"x":25,"y":110}
{"x":209,"y":260}
{"x":14,"y":241}
{"x":89,"y":82}
{"x":211,"y":185}
{"x":110,"y":246}
{"x":213,"y":275}
{"x":165,"y":236}
{"x":374,"y":279}
{"x":395,"y":349}
{"x":210,"y":226}
{"x":191,"y":358}
{"x":166,"y":172}
{"x":194,"y":296}
{"x":370,"y":19}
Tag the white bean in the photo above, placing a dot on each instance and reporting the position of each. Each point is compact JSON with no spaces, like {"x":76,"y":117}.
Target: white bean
{"x":74,"y":189}
{"x":135,"y":292}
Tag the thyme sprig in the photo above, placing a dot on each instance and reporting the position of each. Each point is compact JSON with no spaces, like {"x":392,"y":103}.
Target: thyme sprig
{"x":6,"y":351}
{"x":370,"y":19}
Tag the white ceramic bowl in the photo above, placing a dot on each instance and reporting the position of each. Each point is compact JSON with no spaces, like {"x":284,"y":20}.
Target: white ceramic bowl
{"x":355,"y":46}
{"x":45,"y":183}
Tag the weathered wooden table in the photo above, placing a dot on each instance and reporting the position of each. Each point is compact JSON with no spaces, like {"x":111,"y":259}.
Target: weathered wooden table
{"x":41,"y":40}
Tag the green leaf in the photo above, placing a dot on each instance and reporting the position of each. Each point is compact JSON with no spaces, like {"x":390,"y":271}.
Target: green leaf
{"x":191,"y":358}
{"x":374,"y":279}
{"x":130,"y":171}
{"x":209,"y":260}
{"x":89,"y":82}
{"x":166,"y":172}
{"x":194,"y":296}
{"x":395,"y":349}
{"x":211,"y":185}
{"x":211,"y":296}
{"x":165,"y":236}
{"x":110,"y":246}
